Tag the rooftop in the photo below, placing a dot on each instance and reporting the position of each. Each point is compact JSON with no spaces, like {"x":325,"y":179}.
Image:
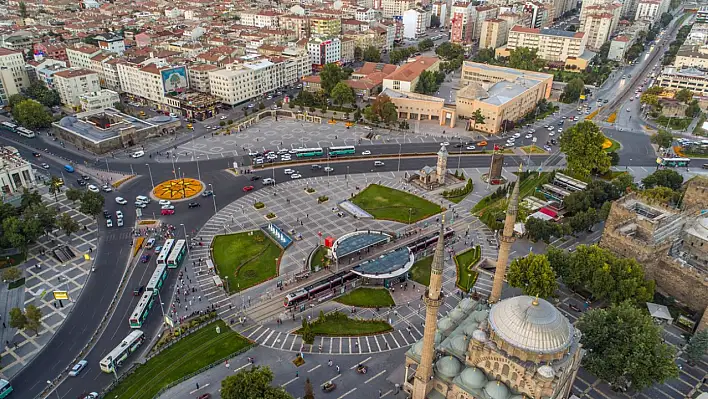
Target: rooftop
{"x":390,"y":264}
{"x":353,"y":242}
{"x":412,"y":70}
{"x":73,"y":73}
{"x":101,"y":125}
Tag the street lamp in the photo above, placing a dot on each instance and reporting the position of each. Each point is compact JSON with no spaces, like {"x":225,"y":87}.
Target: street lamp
{"x":152,"y":182}
{"x":399,"y":157}
{"x":213,"y":196}
{"x":55,"y":391}
{"x":186,"y":237}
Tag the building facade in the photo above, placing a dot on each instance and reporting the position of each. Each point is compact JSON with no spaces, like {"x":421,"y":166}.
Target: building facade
{"x":414,"y":23}
{"x":238,"y":83}
{"x":550,"y":44}
{"x":406,"y":77}
{"x":15,"y":172}
{"x":494,"y":33}
{"x":324,"y":51}
{"x":101,"y":99}
{"x":75,"y":82}
{"x":676,"y":79}
{"x":80,"y":55}
{"x":15,"y":73}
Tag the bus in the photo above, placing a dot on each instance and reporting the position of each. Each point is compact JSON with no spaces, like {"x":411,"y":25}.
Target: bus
{"x":25,"y":132}
{"x":177,"y":254}
{"x":165,"y":251}
{"x":115,"y":358}
{"x":5,"y":388}
{"x":10,"y":127}
{"x":140,"y":313}
{"x":158,"y":277}
{"x":344,"y":150}
{"x":673,"y":162}
{"x":308,"y":152}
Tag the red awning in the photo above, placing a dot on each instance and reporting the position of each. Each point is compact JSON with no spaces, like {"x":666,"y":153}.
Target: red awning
{"x":549,"y":212}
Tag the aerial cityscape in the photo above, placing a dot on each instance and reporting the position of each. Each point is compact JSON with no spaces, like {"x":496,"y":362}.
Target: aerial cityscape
{"x":438,"y":199}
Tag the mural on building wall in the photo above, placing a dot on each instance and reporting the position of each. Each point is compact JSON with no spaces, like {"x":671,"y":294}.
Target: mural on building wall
{"x":174,"y":79}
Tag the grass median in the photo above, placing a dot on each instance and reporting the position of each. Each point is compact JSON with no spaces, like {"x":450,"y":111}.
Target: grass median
{"x":420,"y":272}
{"x":391,"y":204}
{"x":337,"y":324}
{"x":367,"y":298}
{"x":465,"y":261}
{"x":187,"y":356}
{"x":247,"y":259}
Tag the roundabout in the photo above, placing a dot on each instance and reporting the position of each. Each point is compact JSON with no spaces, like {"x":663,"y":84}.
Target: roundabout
{"x":178,"y":189}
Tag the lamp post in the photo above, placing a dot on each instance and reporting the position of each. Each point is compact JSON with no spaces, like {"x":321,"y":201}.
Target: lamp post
{"x":152,"y":182}
{"x":186,"y":237}
{"x":174,"y":171}
{"x":109,"y":169}
{"x":459,"y":157}
{"x":399,"y":157}
{"x":55,"y":391}
{"x":213,"y":196}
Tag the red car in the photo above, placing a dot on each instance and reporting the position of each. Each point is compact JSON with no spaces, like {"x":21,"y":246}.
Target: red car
{"x":168,"y":212}
{"x":247,"y":188}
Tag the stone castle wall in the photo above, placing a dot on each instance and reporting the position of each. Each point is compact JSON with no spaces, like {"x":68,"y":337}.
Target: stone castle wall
{"x":696,"y":195}
{"x":687,"y":284}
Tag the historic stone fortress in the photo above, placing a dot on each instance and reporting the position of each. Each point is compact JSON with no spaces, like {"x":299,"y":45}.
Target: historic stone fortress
{"x":671,"y":243}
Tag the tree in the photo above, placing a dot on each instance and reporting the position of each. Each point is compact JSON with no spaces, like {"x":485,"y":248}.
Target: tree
{"x":449,"y":51}
{"x":425,"y":44}
{"x":47,"y":97}
{"x":697,"y":346}
{"x":252,"y":383}
{"x":649,"y":99}
{"x":341,"y":93}
{"x":55,"y":187}
{"x":624,"y":347}
{"x":534,"y":275}
{"x":571,"y":28}
{"x":23,"y":10}
{"x":222,"y":123}
{"x":382,"y":109}
{"x":33,"y":315}
{"x":525,"y":58}
{"x":309,"y":394}
{"x":582,"y":145}
{"x":693,"y":109}
{"x":308,"y":336}
{"x":372,"y":54}
{"x":542,"y":230}
{"x":477,"y":117}
{"x":11,"y":274}
{"x":434,"y":21}
{"x":67,"y":224}
{"x":485,"y":56}
{"x":261,"y":106}
{"x":664,"y":178}
{"x":396,"y":55}
{"x":614,"y":158}
{"x":330,"y":75}
{"x":29,"y":198}
{"x":31,"y":114}
{"x":91,"y":203}
{"x":15,"y":99}
{"x":655,"y":90}
{"x":661,"y":194}
{"x":662,"y":138}
{"x":358,"y":54}
{"x":684,"y":95}
{"x":73,"y":194}
{"x":572,"y":91}
{"x":13,"y":233}
{"x":17,"y":318}
{"x":45,"y":215}
{"x":666,"y":19}
{"x":429,"y":82}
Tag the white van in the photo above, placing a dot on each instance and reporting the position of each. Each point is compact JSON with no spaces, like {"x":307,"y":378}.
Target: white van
{"x":138,"y":154}
{"x":143,"y":199}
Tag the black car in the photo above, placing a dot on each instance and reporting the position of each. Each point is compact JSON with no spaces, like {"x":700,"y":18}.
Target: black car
{"x":194,"y":205}
{"x":254,"y":178}
{"x":554,"y":142}
{"x":207,"y":193}
{"x":86,"y":177}
{"x":315,"y":167}
{"x":458,"y":145}
{"x":36,"y":154}
{"x":81,"y":182}
{"x":106,"y":214}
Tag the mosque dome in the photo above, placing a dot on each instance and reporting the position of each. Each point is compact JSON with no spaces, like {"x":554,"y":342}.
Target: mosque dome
{"x":496,"y":390}
{"x":531,"y":324}
{"x":479,"y":335}
{"x":438,"y":337}
{"x":445,"y":324}
{"x":448,"y":367}
{"x":466,"y":304}
{"x":456,"y":314}
{"x":474,"y":378}
{"x":470,"y":328}
{"x":459,"y":343}
{"x":479,"y":315}
{"x":546,"y":371}
{"x":417,"y":348}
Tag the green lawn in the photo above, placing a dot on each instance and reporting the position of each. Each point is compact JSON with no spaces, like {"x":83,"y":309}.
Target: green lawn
{"x":348,"y":327}
{"x":246,"y":260}
{"x":420,"y":272}
{"x":318,"y":259}
{"x":16,"y":284}
{"x":187,"y":356}
{"x":465,"y":261}
{"x":390,"y":204}
{"x":367,"y":298}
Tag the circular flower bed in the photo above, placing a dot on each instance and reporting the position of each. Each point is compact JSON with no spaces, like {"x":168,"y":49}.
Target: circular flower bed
{"x":177,"y":189}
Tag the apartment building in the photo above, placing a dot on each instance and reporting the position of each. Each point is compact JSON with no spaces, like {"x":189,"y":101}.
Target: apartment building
{"x":151,"y":80}
{"x":259,"y":18}
{"x":396,"y":8}
{"x":550,"y":44}
{"x":414,"y":23}
{"x":478,"y":16}
{"x":692,"y":79}
{"x":324,"y":51}
{"x":101,"y":99}
{"x":80,"y":55}
{"x":367,"y":14}
{"x":598,"y":28}
{"x":516,"y":18}
{"x":111,"y":42}
{"x":406,"y":77}
{"x":199,"y":76}
{"x":461,"y":23}
{"x":104,"y":64}
{"x":538,"y":13}
{"x":295,"y":23}
{"x":649,"y":10}
{"x":73,"y":83}
{"x":494,"y":33}
{"x":238,"y":83}
{"x":45,"y":73}
{"x":348,"y":46}
{"x":702,"y":14}
{"x":325,"y":26}
{"x":16,"y":76}
{"x":302,"y":60}
{"x":440,"y":10}
{"x":8,"y":86}
{"x":501,"y":94}
{"x":618,"y":47}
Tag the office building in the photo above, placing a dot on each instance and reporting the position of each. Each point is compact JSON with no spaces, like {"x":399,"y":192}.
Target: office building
{"x":676,"y":79}
{"x":101,"y":99}
{"x":73,"y":83}
{"x":550,"y":44}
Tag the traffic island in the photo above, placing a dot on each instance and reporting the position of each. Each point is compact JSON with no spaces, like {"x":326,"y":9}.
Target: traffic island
{"x":367,"y":298}
{"x":395,"y":205}
{"x":337,"y":324}
{"x":178,"y":189}
{"x":199,"y":350}
{"x":245,"y":259}
{"x":465,"y":262}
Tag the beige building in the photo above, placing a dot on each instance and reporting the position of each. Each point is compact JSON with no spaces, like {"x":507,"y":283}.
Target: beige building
{"x":598,"y":27}
{"x":241,"y":82}
{"x":325,"y":26}
{"x":151,"y":80}
{"x":406,"y":77}
{"x":693,"y":57}
{"x":295,"y":23}
{"x":14,"y":72}
{"x":80,"y":55}
{"x":501,"y":94}
{"x":199,"y":76}
{"x":101,"y":99}
{"x":494,"y":33}
{"x":676,"y":79}
{"x":396,"y":8}
{"x":422,"y":107}
{"x":551,"y":44}
{"x":478,"y":15}
{"x":75,"y":82}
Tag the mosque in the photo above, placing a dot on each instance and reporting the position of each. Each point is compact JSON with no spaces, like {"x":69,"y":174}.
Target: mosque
{"x":519,"y":347}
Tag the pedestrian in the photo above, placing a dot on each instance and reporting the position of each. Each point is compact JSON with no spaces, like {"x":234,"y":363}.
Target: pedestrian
{"x":329,"y":362}
{"x":338,"y":369}
{"x":297,"y":374}
{"x":379,"y":393}
{"x":200,"y":298}
{"x":197,"y":385}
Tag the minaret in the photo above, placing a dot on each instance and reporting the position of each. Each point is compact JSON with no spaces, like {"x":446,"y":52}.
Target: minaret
{"x":433,"y":300}
{"x":507,"y":239}
{"x":441,"y":167}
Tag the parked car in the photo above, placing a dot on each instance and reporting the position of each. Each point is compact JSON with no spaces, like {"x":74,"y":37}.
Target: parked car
{"x":109,"y":223}
{"x":164,"y":207}
{"x":93,"y":189}
{"x":145,"y":258}
{"x":138,"y":154}
{"x":140,"y":204}
{"x":80,"y":182}
{"x":194,"y":205}
{"x":247,"y":189}
{"x":165,"y":202}
{"x":121,"y":201}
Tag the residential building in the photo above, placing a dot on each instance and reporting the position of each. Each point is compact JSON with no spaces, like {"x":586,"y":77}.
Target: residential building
{"x":111,"y":42}
{"x":348,"y":46}
{"x":692,"y":57}
{"x":550,"y":44}
{"x":702,"y":14}
{"x":367,"y":14}
{"x":8,"y":86}
{"x":80,"y":55}
{"x":241,"y":82}
{"x":325,"y":26}
{"x":478,"y":16}
{"x":684,"y":78}
{"x":259,"y":18}
{"x":199,"y":76}
{"x":104,"y":64}
{"x":618,"y":47}
{"x":301,"y":60}
{"x":46,"y":72}
{"x":516,"y":18}
{"x":73,"y":83}
{"x":415,"y":21}
{"x":598,"y":28}
{"x":387,"y":30}
{"x":494,"y":33}
{"x":101,"y":99}
{"x":14,"y":62}
{"x":440,"y":10}
{"x":324,"y":51}
{"x":538,"y":13}
{"x":21,"y":40}
{"x":502,"y":94}
{"x":15,"y":173}
{"x":151,"y":80}
{"x":649,"y":10}
{"x":295,"y":23}
{"x":395,"y":8}
{"x":461,"y":23}
{"x":55,"y":51}
{"x":406,"y":77}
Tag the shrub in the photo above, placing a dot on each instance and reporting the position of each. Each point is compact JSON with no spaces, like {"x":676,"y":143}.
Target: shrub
{"x":259,"y":205}
{"x":322,"y":198}
{"x":270,"y":215}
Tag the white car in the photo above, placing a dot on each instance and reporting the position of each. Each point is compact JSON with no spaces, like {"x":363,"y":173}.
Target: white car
{"x":470,"y":147}
{"x":77,"y":368}
{"x":328,"y":169}
{"x":207,"y":127}
{"x":259,"y":161}
{"x":106,"y":188}
{"x":367,"y":128}
{"x":252,"y":153}
{"x":167,"y":207}
{"x":223,"y":117}
{"x":45,"y":165}
{"x":295,"y":176}
{"x":551,"y":128}
{"x":140,"y":204}
{"x":285,"y":157}
{"x":109,"y":223}
{"x":121,"y":201}
{"x":551,"y":133}
{"x":367,"y":152}
{"x":272,"y":155}
{"x":119,"y":215}
{"x":528,"y":136}
{"x":289,"y":171}
{"x":378,"y":163}
{"x":445,"y":143}
{"x":533,"y":140}
{"x":165,"y":202}
{"x":516,"y":135}
{"x":282,"y":151}
{"x":548,"y":148}
{"x":560,"y":130}
{"x":250,"y":105}
{"x":138,"y":154}
{"x":93,"y":188}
